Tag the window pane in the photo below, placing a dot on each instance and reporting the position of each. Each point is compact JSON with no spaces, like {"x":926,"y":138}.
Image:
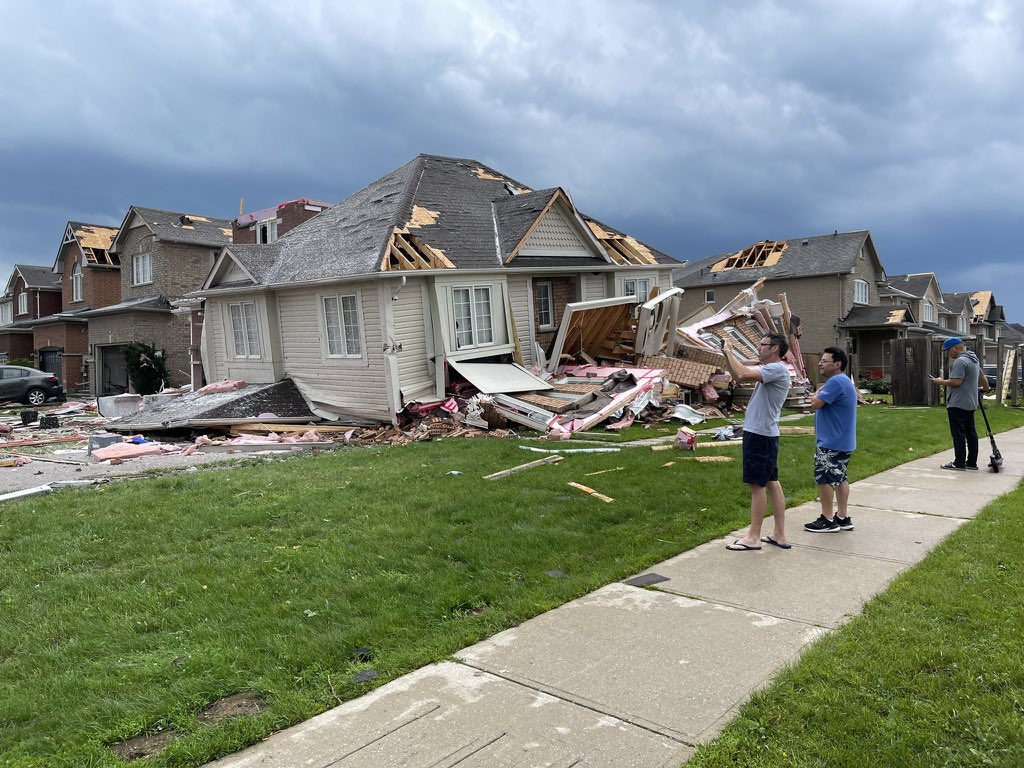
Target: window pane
{"x":332,"y":321}
{"x":252,"y":330}
{"x":482,"y":315}
{"x":463,"y":317}
{"x":544,"y":315}
{"x":353,"y":345}
{"x":237,"y":329}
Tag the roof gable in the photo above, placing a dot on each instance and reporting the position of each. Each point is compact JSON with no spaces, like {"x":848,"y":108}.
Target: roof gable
{"x":175,"y":227}
{"x":554,"y":230}
{"x":93,"y":240}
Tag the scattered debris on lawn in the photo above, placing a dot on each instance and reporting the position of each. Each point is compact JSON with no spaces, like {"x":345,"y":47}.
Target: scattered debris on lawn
{"x":614,"y":363}
{"x":521,"y":467}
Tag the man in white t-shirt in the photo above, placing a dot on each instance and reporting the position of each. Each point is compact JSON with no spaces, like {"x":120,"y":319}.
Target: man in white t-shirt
{"x":761,"y":439}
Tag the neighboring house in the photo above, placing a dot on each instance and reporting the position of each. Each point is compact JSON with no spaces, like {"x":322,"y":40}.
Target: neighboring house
{"x":959,"y":311}
{"x":988,"y":317}
{"x":163,"y":255}
{"x":89,"y":277}
{"x":386,"y":297}
{"x":265,"y":226}
{"x":831,"y":281}
{"x":32,"y":292}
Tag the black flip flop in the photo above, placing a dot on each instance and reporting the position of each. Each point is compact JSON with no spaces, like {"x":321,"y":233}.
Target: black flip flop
{"x":737,"y":546}
{"x":774,"y":543}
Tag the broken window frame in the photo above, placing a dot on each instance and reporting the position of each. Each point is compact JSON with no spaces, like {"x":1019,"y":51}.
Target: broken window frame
{"x":142,"y":268}
{"x":861,"y":293}
{"x":742,"y":340}
{"x":266,"y":231}
{"x":344,"y":336}
{"x":76,"y":281}
{"x":23,"y":303}
{"x":545,"y":306}
{"x":479,"y":301}
{"x":245,"y":329}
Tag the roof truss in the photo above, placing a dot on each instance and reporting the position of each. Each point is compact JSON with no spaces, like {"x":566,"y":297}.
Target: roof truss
{"x":405,"y":251}
{"x":763,"y":254}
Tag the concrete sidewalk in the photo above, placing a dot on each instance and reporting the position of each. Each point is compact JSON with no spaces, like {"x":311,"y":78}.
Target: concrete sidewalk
{"x":629,"y":676}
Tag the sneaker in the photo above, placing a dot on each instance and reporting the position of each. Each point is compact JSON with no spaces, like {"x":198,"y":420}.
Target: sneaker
{"x":822,"y":525}
{"x":845,"y":523}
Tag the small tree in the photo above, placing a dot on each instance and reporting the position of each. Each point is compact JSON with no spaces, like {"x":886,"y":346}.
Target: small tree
{"x":147,"y":367}
{"x":24,"y":362}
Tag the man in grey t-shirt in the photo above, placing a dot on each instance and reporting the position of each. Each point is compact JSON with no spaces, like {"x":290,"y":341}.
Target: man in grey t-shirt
{"x":965,"y":379}
{"x":761,"y":439}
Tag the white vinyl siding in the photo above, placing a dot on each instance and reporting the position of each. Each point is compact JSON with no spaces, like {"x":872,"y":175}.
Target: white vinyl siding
{"x":594,"y":287}
{"x":519,"y":295}
{"x":413,"y":333}
{"x":342,"y":325}
{"x":860,"y":292}
{"x":142,"y":268}
{"x":345,"y":384}
{"x":245,"y":329}
{"x":556,"y":236}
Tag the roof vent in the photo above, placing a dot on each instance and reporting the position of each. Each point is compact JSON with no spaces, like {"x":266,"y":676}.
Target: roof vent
{"x":805,"y":242}
{"x":184,"y":220}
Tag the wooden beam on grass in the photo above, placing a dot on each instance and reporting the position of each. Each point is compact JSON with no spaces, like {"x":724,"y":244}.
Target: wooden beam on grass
{"x":529,"y":465}
{"x":592,"y":492}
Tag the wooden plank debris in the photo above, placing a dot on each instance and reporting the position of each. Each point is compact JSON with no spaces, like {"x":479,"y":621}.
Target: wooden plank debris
{"x":592,"y":492}
{"x":529,"y":465}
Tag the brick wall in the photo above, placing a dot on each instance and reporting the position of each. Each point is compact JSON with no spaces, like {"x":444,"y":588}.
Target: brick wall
{"x":177,"y":268}
{"x":162,"y":329}
{"x":101,"y":285}
{"x":73,"y":340}
{"x":564,"y":290}
{"x":289,"y":216}
{"x":16,"y":345}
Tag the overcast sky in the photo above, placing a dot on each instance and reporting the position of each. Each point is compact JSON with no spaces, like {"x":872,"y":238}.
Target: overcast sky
{"x":698,"y":127}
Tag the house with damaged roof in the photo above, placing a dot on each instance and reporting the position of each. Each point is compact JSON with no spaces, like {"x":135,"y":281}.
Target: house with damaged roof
{"x":89,"y":276}
{"x":833,"y":280}
{"x":163,"y":255}
{"x":444,"y":269}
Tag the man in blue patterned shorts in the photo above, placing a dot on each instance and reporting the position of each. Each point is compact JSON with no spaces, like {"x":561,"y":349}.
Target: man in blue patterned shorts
{"x":835,"y":423}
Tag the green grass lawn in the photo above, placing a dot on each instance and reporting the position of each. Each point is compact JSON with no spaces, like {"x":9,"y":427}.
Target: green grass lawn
{"x":128,"y":608}
{"x":929,"y":675}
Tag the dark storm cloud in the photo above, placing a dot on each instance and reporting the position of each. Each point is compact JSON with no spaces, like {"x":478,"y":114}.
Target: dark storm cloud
{"x":701,"y":127}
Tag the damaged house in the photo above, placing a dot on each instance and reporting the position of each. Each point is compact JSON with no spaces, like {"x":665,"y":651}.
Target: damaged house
{"x":442,"y":271}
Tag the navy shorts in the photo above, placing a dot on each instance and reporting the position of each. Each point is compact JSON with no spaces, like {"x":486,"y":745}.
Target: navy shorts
{"x":830,"y":466}
{"x":760,"y":459}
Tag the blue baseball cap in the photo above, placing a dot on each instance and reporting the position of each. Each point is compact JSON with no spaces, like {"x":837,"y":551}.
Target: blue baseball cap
{"x":952,"y":342}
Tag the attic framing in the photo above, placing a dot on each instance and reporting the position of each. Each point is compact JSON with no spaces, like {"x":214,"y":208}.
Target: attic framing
{"x":763,"y":254}
{"x":405,"y":251}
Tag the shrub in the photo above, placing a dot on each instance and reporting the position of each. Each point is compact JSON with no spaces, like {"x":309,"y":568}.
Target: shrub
{"x":876,"y":386}
{"x":147,"y":367}
{"x":22,"y":362}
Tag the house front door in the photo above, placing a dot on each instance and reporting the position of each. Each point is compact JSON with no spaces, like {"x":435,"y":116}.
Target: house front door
{"x":50,"y":361}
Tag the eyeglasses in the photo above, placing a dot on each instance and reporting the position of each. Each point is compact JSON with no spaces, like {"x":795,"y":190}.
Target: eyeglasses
{"x":767,"y":344}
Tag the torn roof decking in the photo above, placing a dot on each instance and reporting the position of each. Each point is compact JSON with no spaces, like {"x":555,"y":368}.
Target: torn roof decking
{"x":282,"y":399}
{"x":592,"y":328}
{"x":436,"y":211}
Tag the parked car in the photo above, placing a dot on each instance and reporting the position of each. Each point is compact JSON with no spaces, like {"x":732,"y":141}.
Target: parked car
{"x":28,"y":385}
{"x":993,"y":379}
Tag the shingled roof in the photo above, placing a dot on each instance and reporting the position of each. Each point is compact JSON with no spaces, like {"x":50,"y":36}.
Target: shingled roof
{"x":915,"y":285}
{"x":802,"y":257}
{"x":460,"y":213}
{"x":175,"y":227}
{"x":862,"y":316}
{"x":36,"y":277}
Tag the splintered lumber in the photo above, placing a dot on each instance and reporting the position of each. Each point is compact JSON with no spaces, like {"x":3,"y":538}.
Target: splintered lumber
{"x":709,"y":458}
{"x":257,"y":427}
{"x":602,"y":471}
{"x":592,"y":492}
{"x":529,"y":465}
